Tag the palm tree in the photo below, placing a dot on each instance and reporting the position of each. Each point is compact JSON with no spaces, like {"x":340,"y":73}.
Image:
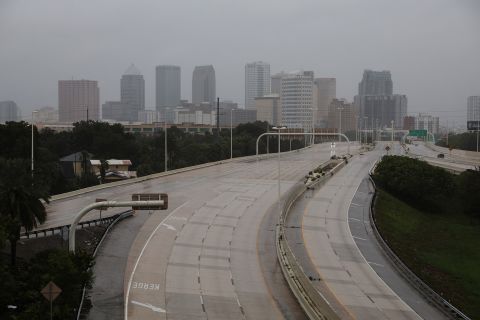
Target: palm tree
{"x":21,"y":200}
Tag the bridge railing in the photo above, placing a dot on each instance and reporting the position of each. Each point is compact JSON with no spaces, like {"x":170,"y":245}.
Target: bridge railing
{"x":310,"y":299}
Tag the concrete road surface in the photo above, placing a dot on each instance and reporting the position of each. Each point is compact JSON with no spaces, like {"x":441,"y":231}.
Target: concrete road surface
{"x":200,"y":259}
{"x":328,"y":239}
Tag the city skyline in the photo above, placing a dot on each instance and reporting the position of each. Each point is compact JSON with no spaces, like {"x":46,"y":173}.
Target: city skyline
{"x":421,"y":53}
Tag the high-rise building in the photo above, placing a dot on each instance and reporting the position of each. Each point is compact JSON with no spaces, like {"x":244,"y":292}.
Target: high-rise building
{"x":46,"y":115}
{"x":376,"y":83}
{"x":376,"y":104}
{"x":119,"y":111}
{"x":257,"y":82}
{"x":297,"y":100}
{"x":473,"y":108}
{"x":378,"y":111}
{"x":276,"y":83}
{"x":269,"y":109}
{"x":427,"y":122}
{"x":203,"y":85}
{"x":342,"y":115}
{"x":132,"y":93}
{"x":168,"y":87}
{"x":78,"y":100}
{"x":325,"y":90}
{"x":9,"y":111}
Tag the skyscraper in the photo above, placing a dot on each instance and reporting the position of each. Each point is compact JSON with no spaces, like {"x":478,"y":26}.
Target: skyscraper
{"x":203,"y":85}
{"x":325,"y":90}
{"x":257,"y":82}
{"x":376,"y":104}
{"x":132,"y":92}
{"x":78,"y":100}
{"x":297,"y":100}
{"x":376,"y":83}
{"x":9,"y":111}
{"x":168,"y":88}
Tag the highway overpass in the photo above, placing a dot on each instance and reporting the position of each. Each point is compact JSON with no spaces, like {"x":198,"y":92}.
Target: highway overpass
{"x":204,"y":258}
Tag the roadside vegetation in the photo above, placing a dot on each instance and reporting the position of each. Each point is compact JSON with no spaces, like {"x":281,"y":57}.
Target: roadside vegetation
{"x":431,"y":219}
{"x":24,"y":194}
{"x":109,"y":141}
{"x":463,"y":141}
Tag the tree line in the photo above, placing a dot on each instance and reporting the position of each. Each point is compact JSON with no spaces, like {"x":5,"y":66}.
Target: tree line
{"x":429,"y":188}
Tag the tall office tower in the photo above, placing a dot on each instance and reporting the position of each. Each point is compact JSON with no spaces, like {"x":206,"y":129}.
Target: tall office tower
{"x":257,"y":82}
{"x":376,"y":83}
{"x":378,"y":111}
{"x":276,"y":83}
{"x":78,"y":100}
{"x":427,"y":122}
{"x":473,"y":108}
{"x":342,"y":115}
{"x":168,"y":88}
{"x":325,"y":90}
{"x":268,"y":109}
{"x":132,"y":92}
{"x":376,"y":104}
{"x":9,"y":111}
{"x":297,"y":100}
{"x":203,"y":85}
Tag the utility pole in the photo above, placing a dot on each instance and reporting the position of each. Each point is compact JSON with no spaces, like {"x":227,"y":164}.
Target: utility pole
{"x":33,"y":122}
{"x":165,"y":134}
{"x":218,"y":119}
{"x":392,"y":133}
{"x":340,"y":125}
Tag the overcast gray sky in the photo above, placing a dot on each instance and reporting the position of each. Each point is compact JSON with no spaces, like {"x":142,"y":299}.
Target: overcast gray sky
{"x":432,"y":47}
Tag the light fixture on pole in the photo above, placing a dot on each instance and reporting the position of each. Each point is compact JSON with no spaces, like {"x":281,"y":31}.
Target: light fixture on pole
{"x":278,"y":161}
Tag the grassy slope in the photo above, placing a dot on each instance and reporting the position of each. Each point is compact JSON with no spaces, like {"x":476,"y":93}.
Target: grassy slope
{"x":443,"y":249}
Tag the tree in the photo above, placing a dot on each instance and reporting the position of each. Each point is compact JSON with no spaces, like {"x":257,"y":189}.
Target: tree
{"x":21,"y":200}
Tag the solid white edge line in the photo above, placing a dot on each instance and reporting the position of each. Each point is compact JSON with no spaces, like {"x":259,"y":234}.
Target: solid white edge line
{"x":140,"y":256}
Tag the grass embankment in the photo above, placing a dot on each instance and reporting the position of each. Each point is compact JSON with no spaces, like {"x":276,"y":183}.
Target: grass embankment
{"x":443,"y":249}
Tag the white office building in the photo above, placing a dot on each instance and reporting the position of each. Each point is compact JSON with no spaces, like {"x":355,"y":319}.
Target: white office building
{"x":257,"y":82}
{"x":297,"y":100}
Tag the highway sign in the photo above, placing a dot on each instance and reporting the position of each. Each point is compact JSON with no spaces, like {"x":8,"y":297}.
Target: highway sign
{"x":417,"y":133}
{"x":473,"y":125}
{"x":150,"y":197}
{"x":51,"y":291}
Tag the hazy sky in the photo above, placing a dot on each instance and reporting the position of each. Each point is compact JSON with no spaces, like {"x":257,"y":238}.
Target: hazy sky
{"x":432,"y":47}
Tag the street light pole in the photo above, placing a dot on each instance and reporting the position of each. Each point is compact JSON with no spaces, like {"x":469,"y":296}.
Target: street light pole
{"x":33,"y":122}
{"x":278,"y":161}
{"x":165,"y":142}
{"x":392,"y":132}
{"x":340,"y":125}
{"x":231,"y":133}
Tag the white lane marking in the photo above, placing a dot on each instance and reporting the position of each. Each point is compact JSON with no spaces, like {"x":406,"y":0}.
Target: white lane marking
{"x":179,"y":218}
{"x":355,"y":219}
{"x":145,"y":285}
{"x":149,"y":306}
{"x":358,"y":238}
{"x":140,"y":256}
{"x":376,"y":264}
{"x":356,"y":204}
{"x":169,"y":227}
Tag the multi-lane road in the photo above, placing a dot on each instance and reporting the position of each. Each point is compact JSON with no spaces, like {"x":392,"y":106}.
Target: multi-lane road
{"x":204,"y":258}
{"x":200,"y":259}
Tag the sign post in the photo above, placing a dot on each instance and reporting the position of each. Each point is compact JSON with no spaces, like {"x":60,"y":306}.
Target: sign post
{"x":51,"y":292}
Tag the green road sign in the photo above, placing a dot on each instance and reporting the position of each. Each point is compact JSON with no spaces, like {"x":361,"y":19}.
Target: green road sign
{"x":417,"y":133}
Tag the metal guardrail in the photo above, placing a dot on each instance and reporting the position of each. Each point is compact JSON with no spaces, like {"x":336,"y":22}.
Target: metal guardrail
{"x":425,"y":290}
{"x":310,"y":299}
{"x":60,"y":229}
